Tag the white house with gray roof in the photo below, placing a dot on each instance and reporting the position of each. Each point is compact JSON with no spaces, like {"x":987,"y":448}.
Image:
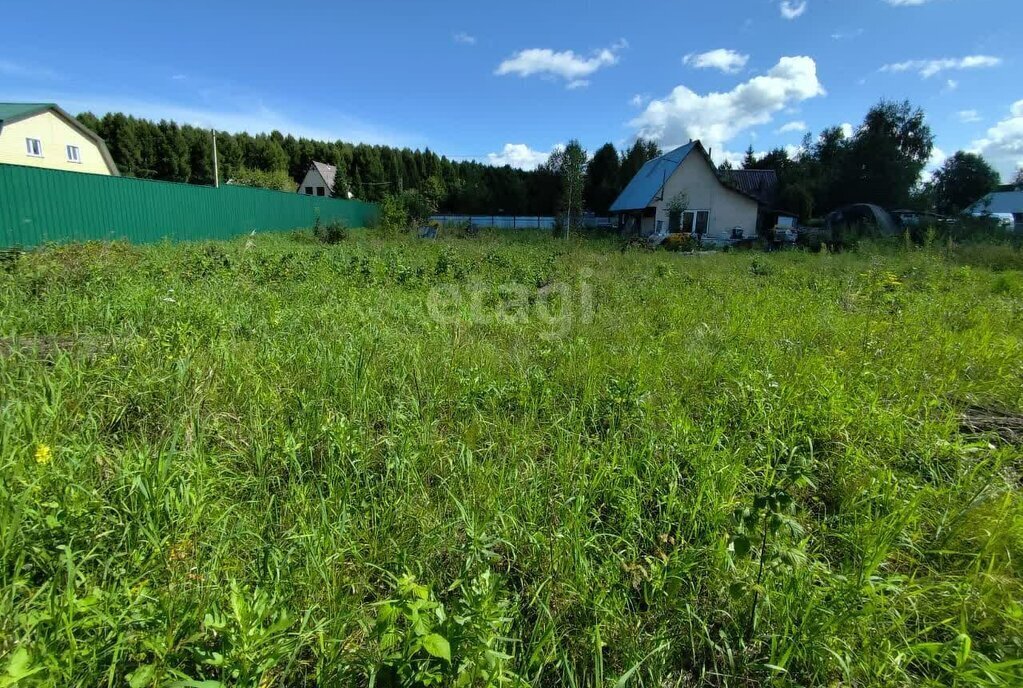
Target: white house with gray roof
{"x":716,"y":212}
{"x":319,"y":180}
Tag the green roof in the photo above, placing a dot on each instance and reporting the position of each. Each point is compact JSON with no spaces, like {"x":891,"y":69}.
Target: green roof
{"x":18,"y":110}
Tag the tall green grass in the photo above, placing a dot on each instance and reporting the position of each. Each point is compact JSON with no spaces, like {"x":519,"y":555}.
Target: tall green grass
{"x":264,"y":463}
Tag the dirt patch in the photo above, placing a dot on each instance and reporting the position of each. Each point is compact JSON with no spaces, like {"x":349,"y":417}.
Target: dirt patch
{"x":49,"y":347}
{"x":985,"y":421}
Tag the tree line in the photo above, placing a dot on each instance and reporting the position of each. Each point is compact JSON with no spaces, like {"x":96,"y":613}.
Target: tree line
{"x":168,"y":151}
{"x":881,"y":162}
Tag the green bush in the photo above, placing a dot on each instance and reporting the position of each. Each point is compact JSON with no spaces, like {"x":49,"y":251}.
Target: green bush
{"x":277,"y":180}
{"x":394,"y":216}
{"x":418,"y":207}
{"x":334,"y":232}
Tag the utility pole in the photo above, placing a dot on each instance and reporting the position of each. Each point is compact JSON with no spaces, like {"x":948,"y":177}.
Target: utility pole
{"x":216,"y":171}
{"x":568,"y":222}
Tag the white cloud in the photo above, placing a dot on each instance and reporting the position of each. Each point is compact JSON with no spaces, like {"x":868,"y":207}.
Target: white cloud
{"x":464,"y":39}
{"x":728,"y":61}
{"x":716,"y":118}
{"x":519,"y":155}
{"x":907,"y":3}
{"x":844,"y":35}
{"x":734,"y":158}
{"x":1002,"y":146}
{"x":566,"y":65}
{"x":791,"y":127}
{"x":968,"y":116}
{"x":937,"y":159}
{"x":639,"y":100}
{"x":950,"y":85}
{"x":848,"y":130}
{"x":794,"y":151}
{"x":791,"y":9}
{"x":928,"y":68}
{"x":578,"y":83}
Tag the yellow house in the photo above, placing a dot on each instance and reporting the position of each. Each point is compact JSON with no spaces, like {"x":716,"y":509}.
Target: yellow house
{"x":43,"y":135}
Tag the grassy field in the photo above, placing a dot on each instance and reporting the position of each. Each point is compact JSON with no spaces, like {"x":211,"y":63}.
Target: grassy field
{"x":509,"y":461}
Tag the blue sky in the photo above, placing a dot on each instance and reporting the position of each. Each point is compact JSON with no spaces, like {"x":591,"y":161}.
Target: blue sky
{"x":508,"y":81}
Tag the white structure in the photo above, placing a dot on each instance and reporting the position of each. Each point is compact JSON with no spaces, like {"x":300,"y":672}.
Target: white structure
{"x":714,"y":211}
{"x":319,"y":180}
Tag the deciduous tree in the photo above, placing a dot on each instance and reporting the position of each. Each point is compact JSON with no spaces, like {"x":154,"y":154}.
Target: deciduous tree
{"x":964,"y":179}
{"x":887,"y":155}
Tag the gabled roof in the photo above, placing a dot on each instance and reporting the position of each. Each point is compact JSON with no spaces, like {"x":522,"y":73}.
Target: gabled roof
{"x":642,"y":191}
{"x":328,"y":172}
{"x":647,"y":183}
{"x":761,"y":184}
{"x":999,"y":202}
{"x":12,"y":112}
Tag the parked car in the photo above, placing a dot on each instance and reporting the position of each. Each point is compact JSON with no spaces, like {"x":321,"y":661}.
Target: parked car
{"x":1005,"y":220}
{"x":786,"y":231}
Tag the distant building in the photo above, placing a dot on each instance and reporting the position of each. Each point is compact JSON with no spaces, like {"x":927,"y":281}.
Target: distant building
{"x":1002,"y":204}
{"x":763,"y":185}
{"x":43,"y":135}
{"x":319,"y":180}
{"x":714,"y":211}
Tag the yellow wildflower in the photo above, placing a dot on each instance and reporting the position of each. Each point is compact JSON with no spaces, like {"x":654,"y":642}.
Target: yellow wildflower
{"x":43,"y":454}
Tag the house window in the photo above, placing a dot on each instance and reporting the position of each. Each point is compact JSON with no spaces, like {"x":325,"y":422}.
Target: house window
{"x":696,"y":221}
{"x":73,"y":154}
{"x":34,"y":147}
{"x":319,"y":190}
{"x":702,"y":221}
{"x":309,"y":191}
{"x":660,"y":226}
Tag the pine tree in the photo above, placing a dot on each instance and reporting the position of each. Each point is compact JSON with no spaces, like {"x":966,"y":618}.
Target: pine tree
{"x":749,"y":162}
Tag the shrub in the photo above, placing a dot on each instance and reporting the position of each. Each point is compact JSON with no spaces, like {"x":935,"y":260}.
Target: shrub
{"x":418,"y":207}
{"x":334,"y":232}
{"x":393,"y":216}
{"x":680,"y":242}
{"x":277,"y":180}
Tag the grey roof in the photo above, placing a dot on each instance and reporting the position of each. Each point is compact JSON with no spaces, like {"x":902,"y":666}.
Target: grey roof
{"x":328,"y":172}
{"x":761,"y":184}
{"x":999,"y":202}
{"x":12,"y":112}
{"x":647,"y":183}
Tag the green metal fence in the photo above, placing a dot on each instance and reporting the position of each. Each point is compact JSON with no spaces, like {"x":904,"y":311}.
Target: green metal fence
{"x":39,"y":205}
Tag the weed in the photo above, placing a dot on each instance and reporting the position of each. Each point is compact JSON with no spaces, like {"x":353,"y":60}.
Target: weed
{"x":263,"y":462}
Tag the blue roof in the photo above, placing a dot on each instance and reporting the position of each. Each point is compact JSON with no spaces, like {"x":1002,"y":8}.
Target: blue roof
{"x":648,"y":181}
{"x":1000,"y":202}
